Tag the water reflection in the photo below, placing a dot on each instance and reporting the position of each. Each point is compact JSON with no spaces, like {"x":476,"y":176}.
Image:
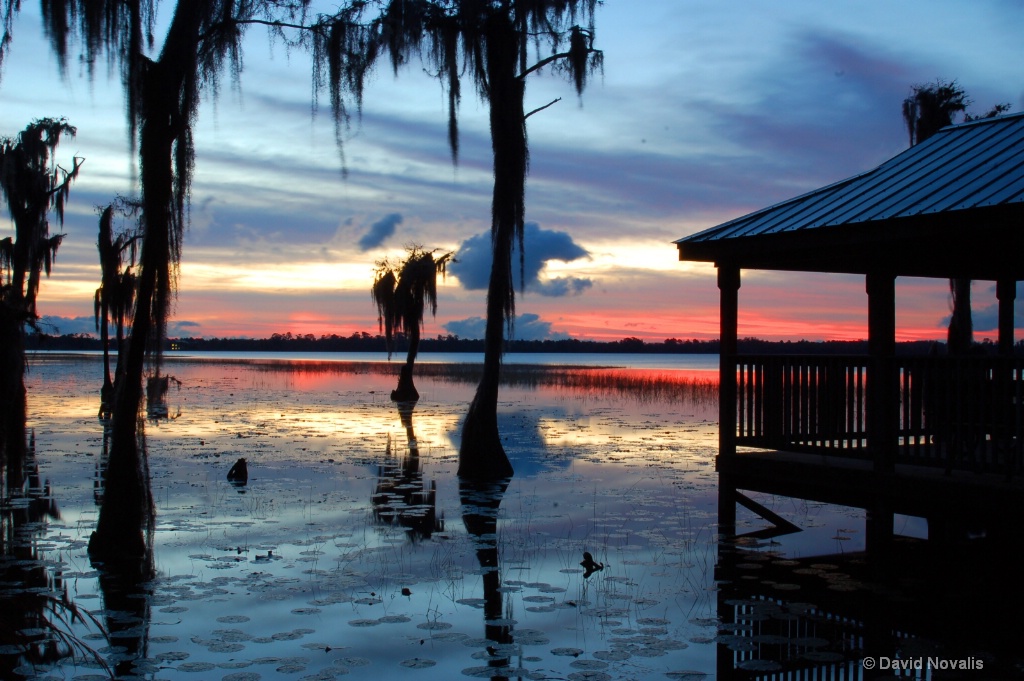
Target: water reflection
{"x":480,"y":503}
{"x":157,"y":389}
{"x":401,"y":494}
{"x":314,"y":572}
{"x":948,"y":601}
{"x":127,"y":594}
{"x":36,"y":611}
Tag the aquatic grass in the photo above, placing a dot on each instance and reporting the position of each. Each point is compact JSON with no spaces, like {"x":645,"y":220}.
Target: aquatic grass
{"x":54,"y":638}
{"x":674,"y":386}
{"x":38,"y":618}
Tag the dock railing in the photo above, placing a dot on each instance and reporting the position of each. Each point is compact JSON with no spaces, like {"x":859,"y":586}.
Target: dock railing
{"x":954,"y":412}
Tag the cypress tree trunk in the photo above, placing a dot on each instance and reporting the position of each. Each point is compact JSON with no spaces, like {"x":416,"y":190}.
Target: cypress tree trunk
{"x":12,"y":397}
{"x":127,"y":514}
{"x":107,"y":390}
{"x":406,"y":390}
{"x":108,"y":261}
{"x":127,"y":502}
{"x":122,"y":352}
{"x":481,"y":454}
{"x":960,"y":335}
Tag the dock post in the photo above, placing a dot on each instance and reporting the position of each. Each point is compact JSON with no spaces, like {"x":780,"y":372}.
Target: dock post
{"x":729,"y":285}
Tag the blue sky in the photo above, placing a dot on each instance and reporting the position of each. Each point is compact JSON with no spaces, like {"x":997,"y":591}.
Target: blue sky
{"x":705,"y":111}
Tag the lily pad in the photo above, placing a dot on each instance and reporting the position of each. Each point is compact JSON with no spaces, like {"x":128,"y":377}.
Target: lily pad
{"x":417,"y":663}
{"x":195,"y":667}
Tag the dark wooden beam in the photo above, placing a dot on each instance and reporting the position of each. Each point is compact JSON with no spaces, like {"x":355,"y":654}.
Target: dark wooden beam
{"x":729,"y":286}
{"x":883,"y":379}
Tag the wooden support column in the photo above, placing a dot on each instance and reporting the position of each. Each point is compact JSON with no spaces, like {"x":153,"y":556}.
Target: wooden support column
{"x":726,"y":507}
{"x":1006,"y":292}
{"x":883,"y":379}
{"x":878,"y":536}
{"x":729,"y":285}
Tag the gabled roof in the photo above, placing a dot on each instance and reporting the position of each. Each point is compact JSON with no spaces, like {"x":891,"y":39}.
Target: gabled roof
{"x":950,"y":206}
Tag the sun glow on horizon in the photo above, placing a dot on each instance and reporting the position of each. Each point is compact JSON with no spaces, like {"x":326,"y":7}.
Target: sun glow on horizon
{"x":289,"y":277}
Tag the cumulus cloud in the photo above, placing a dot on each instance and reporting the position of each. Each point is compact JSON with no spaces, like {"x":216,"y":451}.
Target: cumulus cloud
{"x":473,"y":267}
{"x":380,"y":231}
{"x":183,"y":329}
{"x":60,"y":326}
{"x":563,"y":286}
{"x":471,"y":327}
{"x":528,"y":326}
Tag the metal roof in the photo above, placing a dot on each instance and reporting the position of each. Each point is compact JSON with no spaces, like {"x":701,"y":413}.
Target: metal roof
{"x":961,"y":172}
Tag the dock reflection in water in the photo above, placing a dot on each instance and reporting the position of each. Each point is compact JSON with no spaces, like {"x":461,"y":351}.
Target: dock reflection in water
{"x":936,"y":601}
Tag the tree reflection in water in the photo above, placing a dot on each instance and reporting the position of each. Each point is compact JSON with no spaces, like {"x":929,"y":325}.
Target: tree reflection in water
{"x":37,"y":614}
{"x":125,"y":577}
{"x":401,"y":494}
{"x":127,"y":594}
{"x":480,"y":502}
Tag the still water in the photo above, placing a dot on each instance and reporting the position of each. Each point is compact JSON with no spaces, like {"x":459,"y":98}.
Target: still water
{"x":354,"y":551}
{"x":680,"y":361}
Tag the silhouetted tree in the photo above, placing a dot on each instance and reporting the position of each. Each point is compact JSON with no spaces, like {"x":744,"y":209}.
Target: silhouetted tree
{"x":498,"y":36}
{"x":928,"y":109}
{"x":34,"y":187}
{"x":931,"y":107}
{"x":401,"y":293}
{"x":495,"y":39}
{"x":489,"y":42}
{"x":116,"y":295}
{"x":162,"y":94}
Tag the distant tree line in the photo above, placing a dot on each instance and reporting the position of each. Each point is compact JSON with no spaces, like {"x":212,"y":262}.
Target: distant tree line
{"x":361,"y":341}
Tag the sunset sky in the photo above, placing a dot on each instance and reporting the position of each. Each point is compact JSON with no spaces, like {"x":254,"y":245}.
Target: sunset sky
{"x":705,"y":111}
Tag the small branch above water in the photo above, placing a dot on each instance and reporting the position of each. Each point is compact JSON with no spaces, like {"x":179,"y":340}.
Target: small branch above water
{"x":541,"y":108}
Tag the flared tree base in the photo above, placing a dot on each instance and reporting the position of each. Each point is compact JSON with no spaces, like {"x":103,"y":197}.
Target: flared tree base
{"x":117,"y":550}
{"x":406,"y":390}
{"x":106,"y":401}
{"x":481,"y":455}
{"x":127,"y":517}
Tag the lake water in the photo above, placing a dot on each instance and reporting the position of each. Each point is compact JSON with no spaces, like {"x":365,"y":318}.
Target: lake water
{"x":680,"y":361}
{"x":687,"y":362}
{"x":354,"y":551}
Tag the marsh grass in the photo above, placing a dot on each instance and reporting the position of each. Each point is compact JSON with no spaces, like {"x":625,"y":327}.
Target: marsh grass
{"x":673,"y":386}
{"x":54,"y":638}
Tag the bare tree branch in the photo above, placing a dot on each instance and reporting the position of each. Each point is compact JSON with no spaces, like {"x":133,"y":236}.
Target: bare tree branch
{"x":554,"y":101}
{"x":542,"y":63}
